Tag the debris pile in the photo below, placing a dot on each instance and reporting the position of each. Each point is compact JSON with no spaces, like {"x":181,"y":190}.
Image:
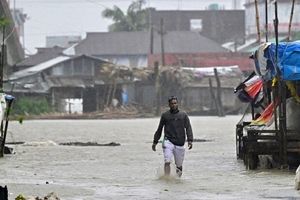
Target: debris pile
{"x":50,"y":196}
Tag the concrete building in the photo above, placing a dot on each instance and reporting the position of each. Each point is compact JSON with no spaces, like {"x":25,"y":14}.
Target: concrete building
{"x":62,"y":41}
{"x":218,"y":25}
{"x":284,"y":11}
{"x":132,"y":48}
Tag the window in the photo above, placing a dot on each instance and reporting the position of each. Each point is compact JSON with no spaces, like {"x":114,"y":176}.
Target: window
{"x":67,"y":68}
{"x":88,"y":67}
{"x":57,"y":70}
{"x":196,"y":25}
{"x":78,"y":66}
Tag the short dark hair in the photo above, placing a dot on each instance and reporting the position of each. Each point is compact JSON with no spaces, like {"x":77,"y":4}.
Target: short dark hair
{"x":172,"y":98}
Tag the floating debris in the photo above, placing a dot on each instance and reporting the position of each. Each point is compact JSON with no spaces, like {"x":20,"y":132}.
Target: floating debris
{"x":50,"y":196}
{"x":89,"y":144}
{"x":201,"y":140}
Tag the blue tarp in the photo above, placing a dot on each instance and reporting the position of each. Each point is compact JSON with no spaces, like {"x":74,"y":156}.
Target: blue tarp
{"x":288,"y":59}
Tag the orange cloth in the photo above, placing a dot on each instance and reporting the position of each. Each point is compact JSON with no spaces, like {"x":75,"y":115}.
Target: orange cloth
{"x":254,"y":88}
{"x":266,"y":116}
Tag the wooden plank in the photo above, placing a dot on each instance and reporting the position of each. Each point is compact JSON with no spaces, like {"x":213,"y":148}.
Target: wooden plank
{"x":261,"y":148}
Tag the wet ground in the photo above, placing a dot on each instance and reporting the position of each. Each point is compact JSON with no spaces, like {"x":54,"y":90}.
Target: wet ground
{"x":132,"y":170}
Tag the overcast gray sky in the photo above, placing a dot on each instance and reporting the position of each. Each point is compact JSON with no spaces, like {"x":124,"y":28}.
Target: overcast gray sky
{"x":76,"y":17}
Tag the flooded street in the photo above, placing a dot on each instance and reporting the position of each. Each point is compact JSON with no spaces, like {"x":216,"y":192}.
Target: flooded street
{"x":132,"y":170}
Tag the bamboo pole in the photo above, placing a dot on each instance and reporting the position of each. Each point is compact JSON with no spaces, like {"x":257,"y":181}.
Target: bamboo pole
{"x":157,"y":88}
{"x":266,"y":17}
{"x":290,"y":22}
{"x":282,"y":100}
{"x":257,"y":22}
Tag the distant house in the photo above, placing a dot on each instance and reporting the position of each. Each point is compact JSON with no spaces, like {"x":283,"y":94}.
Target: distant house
{"x":192,"y":87}
{"x":63,"y":78}
{"x":198,"y":97}
{"x":133,"y":48}
{"x":42,"y":55}
{"x":121,"y":48}
{"x":200,"y":60}
{"x":62,"y":41}
{"x":218,"y":25}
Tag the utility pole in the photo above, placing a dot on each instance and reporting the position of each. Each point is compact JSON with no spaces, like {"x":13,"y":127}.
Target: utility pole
{"x":161,"y":32}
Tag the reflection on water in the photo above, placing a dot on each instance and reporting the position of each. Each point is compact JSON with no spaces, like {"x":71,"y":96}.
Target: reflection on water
{"x":132,"y":170}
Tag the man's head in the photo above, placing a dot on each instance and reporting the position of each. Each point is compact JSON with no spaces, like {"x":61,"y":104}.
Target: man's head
{"x":173,"y":103}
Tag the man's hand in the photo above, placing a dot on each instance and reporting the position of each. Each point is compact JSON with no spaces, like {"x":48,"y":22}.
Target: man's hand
{"x":154,"y":147}
{"x":190,"y":145}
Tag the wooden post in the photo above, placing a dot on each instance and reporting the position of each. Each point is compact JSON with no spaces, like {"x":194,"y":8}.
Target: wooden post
{"x":257,"y":21}
{"x":281,"y":98}
{"x":157,"y":88}
{"x":283,"y":124}
{"x":109,"y":93}
{"x":219,"y":98}
{"x":97,"y":99}
{"x":2,"y":144}
{"x":53,"y":99}
{"x":9,"y":104}
{"x":115,"y":84}
{"x":69,"y":106}
{"x":213,"y":98}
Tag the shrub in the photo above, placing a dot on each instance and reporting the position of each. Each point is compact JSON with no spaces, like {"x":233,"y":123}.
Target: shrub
{"x":30,"y":106}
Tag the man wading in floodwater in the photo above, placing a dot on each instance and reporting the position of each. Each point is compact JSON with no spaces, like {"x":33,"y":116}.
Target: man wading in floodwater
{"x":176,"y":126}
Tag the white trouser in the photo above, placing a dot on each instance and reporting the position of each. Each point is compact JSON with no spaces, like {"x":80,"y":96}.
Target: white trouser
{"x":171,"y":150}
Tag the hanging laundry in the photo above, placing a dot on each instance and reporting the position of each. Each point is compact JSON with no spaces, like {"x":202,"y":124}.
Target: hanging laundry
{"x":250,"y":90}
{"x":265,"y":118}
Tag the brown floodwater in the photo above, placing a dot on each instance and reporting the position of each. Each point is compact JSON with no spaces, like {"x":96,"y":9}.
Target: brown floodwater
{"x":132,"y":170}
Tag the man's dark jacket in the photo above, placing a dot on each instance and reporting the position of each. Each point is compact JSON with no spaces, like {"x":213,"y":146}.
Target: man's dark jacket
{"x":176,"y":127}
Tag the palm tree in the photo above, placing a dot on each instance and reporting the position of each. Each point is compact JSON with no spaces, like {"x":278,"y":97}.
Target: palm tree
{"x":135,"y":19}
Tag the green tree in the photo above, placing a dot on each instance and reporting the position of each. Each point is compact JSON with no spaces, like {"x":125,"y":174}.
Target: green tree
{"x":135,"y":19}
{"x":31,"y":106}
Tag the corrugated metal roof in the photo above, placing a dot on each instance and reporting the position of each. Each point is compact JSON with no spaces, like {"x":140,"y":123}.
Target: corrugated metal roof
{"x":138,"y":43}
{"x":69,"y":82}
{"x":40,"y":67}
{"x":42,"y":55}
{"x":225,"y":82}
{"x":253,"y":45}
